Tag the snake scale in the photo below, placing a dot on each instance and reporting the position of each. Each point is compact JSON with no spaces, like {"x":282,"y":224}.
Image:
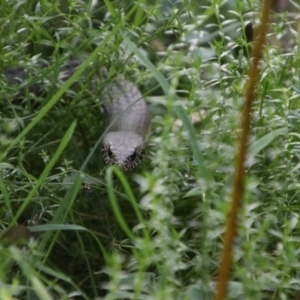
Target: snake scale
{"x":128,"y":115}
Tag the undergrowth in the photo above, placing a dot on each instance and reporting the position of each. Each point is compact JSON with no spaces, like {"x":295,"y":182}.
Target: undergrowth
{"x":156,"y":232}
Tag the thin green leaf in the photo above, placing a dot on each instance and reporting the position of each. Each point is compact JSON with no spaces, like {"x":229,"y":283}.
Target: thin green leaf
{"x":114,"y":202}
{"x":55,"y":227}
{"x":267,"y":139}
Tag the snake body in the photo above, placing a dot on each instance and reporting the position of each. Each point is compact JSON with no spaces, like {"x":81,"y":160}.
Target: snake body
{"x":129,"y":119}
{"x":128,"y":116}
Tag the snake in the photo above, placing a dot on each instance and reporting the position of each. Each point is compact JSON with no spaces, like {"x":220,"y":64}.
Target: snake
{"x":128,"y":117}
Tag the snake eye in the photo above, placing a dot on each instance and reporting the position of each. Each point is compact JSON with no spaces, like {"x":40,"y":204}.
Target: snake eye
{"x":137,"y":155}
{"x":109,"y":153}
{"x":133,"y":156}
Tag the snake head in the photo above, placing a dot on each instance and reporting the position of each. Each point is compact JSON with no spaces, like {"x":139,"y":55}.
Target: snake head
{"x":123,"y":149}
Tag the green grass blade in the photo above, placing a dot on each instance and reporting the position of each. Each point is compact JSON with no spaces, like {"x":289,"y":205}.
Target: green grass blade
{"x":114,"y":202}
{"x":55,"y":227}
{"x":48,"y":168}
{"x":60,"y":215}
{"x":267,"y":139}
{"x":5,"y":194}
{"x":40,"y":289}
{"x":120,"y":175}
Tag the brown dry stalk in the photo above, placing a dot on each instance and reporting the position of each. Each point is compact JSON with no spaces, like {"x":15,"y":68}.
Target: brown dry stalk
{"x":238,"y":186}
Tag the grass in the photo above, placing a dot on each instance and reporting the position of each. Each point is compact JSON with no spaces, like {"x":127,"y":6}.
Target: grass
{"x":156,"y":232}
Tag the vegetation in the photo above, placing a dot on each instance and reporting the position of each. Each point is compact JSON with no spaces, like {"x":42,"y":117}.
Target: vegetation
{"x":156,"y":232}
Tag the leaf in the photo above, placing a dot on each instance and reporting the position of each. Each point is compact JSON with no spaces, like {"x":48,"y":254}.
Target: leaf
{"x":55,"y":227}
{"x":263,"y":142}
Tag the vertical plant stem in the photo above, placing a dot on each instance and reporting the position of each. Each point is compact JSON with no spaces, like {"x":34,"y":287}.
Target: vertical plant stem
{"x":238,"y":187}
